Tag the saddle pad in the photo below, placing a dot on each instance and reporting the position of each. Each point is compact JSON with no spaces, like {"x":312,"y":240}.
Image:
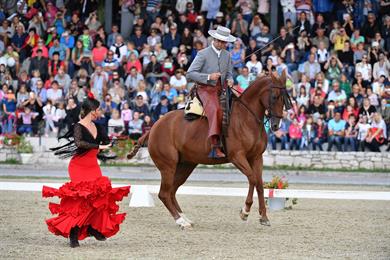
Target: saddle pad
{"x":194,"y":106}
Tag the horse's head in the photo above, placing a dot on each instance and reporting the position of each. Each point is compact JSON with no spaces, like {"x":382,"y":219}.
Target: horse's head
{"x":276,"y":100}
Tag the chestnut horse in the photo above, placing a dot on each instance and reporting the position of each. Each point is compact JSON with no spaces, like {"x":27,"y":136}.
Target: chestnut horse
{"x":177,"y":146}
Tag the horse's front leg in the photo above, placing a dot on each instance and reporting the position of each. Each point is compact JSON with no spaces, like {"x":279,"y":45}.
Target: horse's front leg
{"x":257,"y":167}
{"x":244,"y":212}
{"x":241,"y":162}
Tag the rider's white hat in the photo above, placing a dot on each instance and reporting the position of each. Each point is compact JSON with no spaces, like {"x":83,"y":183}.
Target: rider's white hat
{"x":222,"y":34}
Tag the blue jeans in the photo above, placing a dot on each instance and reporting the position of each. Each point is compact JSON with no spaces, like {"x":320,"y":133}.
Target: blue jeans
{"x":25,"y":129}
{"x":352,"y":141}
{"x":335,"y":139}
{"x":8,"y":124}
{"x":283,"y":139}
{"x":318,"y":143}
{"x":294,"y":142}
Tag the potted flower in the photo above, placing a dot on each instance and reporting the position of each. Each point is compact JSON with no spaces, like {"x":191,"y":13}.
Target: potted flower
{"x":25,"y":149}
{"x":277,"y":183}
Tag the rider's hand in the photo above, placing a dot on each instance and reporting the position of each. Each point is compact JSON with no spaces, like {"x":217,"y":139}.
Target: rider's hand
{"x":214,"y":76}
{"x":105,"y":146}
{"x":230,"y":82}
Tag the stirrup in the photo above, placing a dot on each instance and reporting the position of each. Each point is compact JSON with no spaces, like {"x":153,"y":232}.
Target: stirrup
{"x":213,"y":153}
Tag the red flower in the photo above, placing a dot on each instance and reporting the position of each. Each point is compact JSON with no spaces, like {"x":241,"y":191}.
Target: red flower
{"x":90,"y":95}
{"x":280,"y":185}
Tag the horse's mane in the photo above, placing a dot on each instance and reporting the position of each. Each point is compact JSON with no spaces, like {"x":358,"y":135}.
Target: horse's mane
{"x":255,"y":83}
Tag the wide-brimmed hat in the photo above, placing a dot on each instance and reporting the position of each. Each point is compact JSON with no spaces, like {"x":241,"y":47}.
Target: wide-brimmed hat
{"x":222,"y":34}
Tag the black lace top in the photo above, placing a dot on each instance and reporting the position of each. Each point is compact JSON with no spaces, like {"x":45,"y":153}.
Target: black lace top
{"x":80,"y":140}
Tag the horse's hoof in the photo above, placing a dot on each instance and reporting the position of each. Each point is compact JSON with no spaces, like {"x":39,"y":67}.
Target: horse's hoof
{"x":186,"y":219}
{"x":265,"y":222}
{"x":183,"y":224}
{"x":243,"y":214}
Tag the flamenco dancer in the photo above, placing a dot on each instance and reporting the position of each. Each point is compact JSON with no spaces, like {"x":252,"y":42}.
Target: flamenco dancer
{"x":88,"y":202}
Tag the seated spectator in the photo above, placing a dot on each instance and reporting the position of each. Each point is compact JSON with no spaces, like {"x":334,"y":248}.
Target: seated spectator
{"x":382,"y":67}
{"x":317,"y":108}
{"x":170,"y":93}
{"x":162,"y":108}
{"x":147,"y":124}
{"x":362,"y":128}
{"x":374,"y":99}
{"x":254,"y":66}
{"x":138,"y":38}
{"x":72,"y":113}
{"x":311,"y":68}
{"x":377,"y":134}
{"x":99,"y":82}
{"x":110,"y":64}
{"x":27,"y":121}
{"x":108,"y":106}
{"x":135,"y":127}
{"x":153,"y":39}
{"x":333,"y":67}
{"x":302,"y":98}
{"x":99,"y":52}
{"x":140,"y":107}
{"x":133,"y":62}
{"x":59,"y":119}
{"x":338,"y":96}
{"x":336,"y":132}
{"x":171,"y":40}
{"x":153,"y":70}
{"x":63,"y":80}
{"x":22,"y":95}
{"x":132,"y":82}
{"x":238,"y":55}
{"x":308,"y":134}
{"x":178,"y":81}
{"x":155,"y":95}
{"x":41,"y":64}
{"x":350,"y":138}
{"x":54,"y":94}
{"x":55,"y":64}
{"x":243,"y":79}
{"x":367,"y":109}
{"x":141,"y":91}
{"x":160,"y":53}
{"x":364,"y":68}
{"x":281,"y":134}
{"x":116,"y":126}
{"x":295,"y":133}
{"x":117,"y":92}
{"x":339,"y":38}
{"x":49,"y":112}
{"x":321,"y":133}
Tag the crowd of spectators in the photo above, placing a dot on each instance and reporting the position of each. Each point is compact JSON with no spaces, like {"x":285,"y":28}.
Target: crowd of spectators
{"x":336,"y":54}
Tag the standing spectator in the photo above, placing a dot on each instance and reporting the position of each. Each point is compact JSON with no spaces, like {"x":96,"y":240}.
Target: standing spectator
{"x":351,"y":134}
{"x":126,"y":115}
{"x":336,"y":132}
{"x":9,"y":112}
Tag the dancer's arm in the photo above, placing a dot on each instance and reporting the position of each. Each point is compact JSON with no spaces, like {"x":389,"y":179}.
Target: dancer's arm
{"x":78,"y":139}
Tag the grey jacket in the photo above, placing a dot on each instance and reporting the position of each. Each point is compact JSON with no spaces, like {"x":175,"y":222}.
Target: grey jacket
{"x":207,"y":62}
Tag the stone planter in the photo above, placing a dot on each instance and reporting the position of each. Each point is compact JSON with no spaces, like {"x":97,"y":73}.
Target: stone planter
{"x":275,"y":204}
{"x":25,"y":157}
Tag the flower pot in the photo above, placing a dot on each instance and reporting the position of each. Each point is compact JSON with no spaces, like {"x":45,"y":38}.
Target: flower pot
{"x":25,"y":157}
{"x":275,"y":204}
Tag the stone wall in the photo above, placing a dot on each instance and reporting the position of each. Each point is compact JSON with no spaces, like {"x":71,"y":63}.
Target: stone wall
{"x":303,"y":159}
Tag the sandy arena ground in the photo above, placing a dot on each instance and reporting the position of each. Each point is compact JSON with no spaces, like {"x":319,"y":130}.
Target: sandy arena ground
{"x":326,"y":229}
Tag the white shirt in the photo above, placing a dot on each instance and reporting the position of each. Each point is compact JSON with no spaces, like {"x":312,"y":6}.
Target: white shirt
{"x":176,"y":83}
{"x":218,"y":52}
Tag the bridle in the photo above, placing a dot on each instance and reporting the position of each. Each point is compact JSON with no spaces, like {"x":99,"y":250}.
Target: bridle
{"x":269,"y":114}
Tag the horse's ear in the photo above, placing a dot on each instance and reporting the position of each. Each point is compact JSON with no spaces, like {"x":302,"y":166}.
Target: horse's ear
{"x":283,"y":77}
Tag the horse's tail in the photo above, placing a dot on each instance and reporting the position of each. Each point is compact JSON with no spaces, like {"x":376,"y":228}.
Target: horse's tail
{"x":139,"y":144}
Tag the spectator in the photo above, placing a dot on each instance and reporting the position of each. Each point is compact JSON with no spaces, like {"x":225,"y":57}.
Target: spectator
{"x":147,"y":124}
{"x":367,"y":109}
{"x":281,"y":134}
{"x":162,"y":108}
{"x":172,"y":39}
{"x":381,"y":68}
{"x":362,"y":127}
{"x":27,"y":117}
{"x":364,"y":68}
{"x":295,"y":133}
{"x":110,"y":64}
{"x":308,"y":134}
{"x":178,"y":81}
{"x":140,"y":107}
{"x":338,"y":96}
{"x":311,"y":68}
{"x":350,"y":134}
{"x":336,"y":132}
{"x":135,"y":127}
{"x":320,"y":134}
{"x":41,"y":64}
{"x":49,"y":111}
{"x":377,"y":134}
{"x":9,"y":112}
{"x":116,"y":125}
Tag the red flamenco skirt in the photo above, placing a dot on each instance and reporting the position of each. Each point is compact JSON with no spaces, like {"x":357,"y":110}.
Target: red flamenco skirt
{"x":87,"y":200}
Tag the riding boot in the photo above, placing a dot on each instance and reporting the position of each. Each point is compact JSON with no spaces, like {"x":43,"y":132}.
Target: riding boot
{"x":216,"y":151}
{"x":74,"y":237}
{"x":96,"y":234}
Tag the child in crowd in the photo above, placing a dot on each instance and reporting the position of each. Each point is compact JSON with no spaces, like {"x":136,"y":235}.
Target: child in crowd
{"x":49,"y":112}
{"x":27,"y":120}
{"x":126,"y":115}
{"x":295,"y":133}
{"x":135,"y":127}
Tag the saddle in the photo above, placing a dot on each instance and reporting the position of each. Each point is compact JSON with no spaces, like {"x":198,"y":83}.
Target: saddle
{"x":194,"y":109}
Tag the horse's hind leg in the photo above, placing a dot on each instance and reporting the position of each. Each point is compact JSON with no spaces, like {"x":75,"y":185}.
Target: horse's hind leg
{"x":183,"y":171}
{"x":258,"y":170}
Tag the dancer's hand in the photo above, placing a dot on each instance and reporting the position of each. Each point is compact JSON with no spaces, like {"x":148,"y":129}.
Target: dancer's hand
{"x":105,"y":146}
